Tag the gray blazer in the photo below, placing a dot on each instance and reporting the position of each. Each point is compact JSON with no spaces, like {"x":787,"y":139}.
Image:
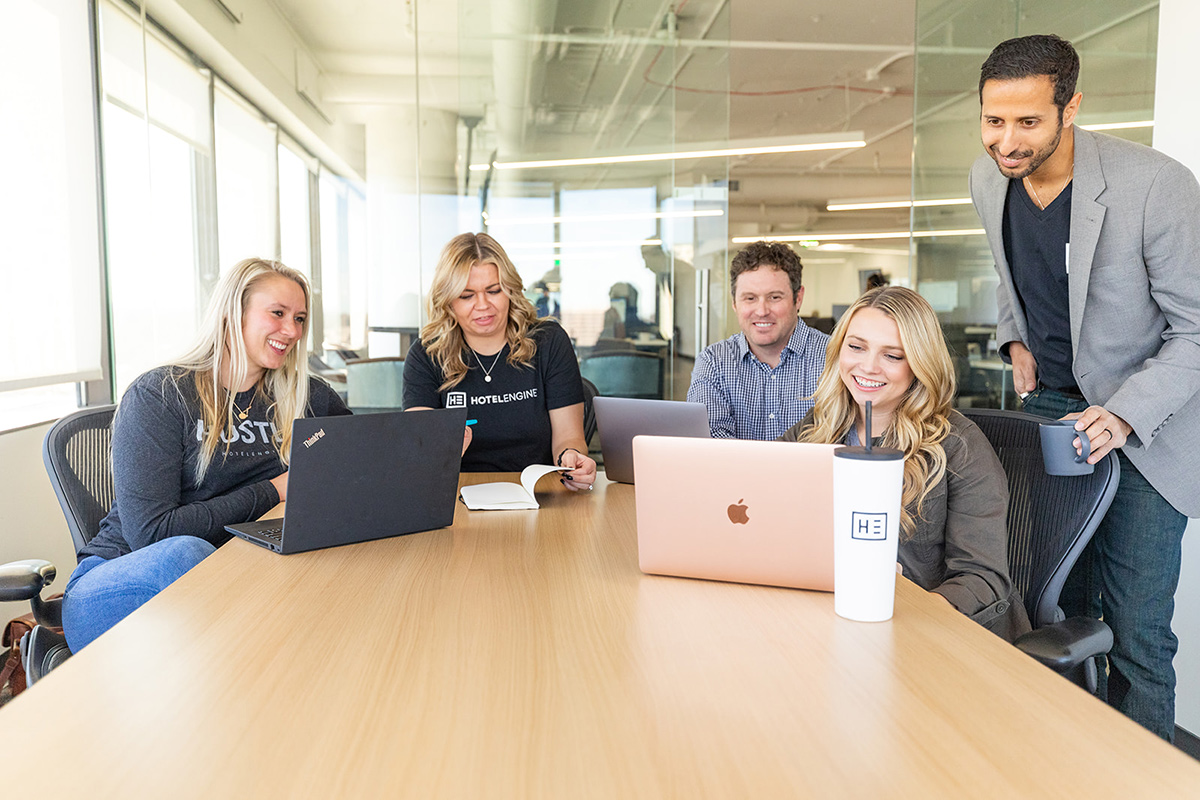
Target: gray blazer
{"x":1134,"y":295}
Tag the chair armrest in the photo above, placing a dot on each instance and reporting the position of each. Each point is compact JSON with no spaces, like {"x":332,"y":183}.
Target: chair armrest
{"x":24,"y":580}
{"x":1062,"y":646}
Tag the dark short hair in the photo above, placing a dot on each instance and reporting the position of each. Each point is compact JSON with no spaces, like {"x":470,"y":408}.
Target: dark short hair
{"x":1026,"y":56}
{"x":775,"y":254}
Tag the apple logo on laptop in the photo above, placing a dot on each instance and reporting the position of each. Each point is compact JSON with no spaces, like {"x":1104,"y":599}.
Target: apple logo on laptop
{"x":737,"y":513}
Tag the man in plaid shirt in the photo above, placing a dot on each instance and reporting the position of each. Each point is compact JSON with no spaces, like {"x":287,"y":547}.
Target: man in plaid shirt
{"x":758,"y":383}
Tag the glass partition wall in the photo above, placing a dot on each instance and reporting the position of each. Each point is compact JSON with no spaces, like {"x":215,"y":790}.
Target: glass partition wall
{"x":1117,"y":44}
{"x":562,"y":133}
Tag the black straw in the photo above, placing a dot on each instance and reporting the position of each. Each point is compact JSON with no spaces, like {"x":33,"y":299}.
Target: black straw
{"x":867,"y":445}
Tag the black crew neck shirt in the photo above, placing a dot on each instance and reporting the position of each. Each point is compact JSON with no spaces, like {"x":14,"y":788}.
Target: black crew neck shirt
{"x":1035,"y":244}
{"x":513,"y":408}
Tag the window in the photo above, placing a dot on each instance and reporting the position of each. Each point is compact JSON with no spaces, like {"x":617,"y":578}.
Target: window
{"x":343,"y":263}
{"x":295,"y":218}
{"x":247,"y":214}
{"x":49,"y":220}
{"x":152,"y":163}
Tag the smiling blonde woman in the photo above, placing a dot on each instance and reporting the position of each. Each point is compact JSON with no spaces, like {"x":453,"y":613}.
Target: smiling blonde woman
{"x":888,"y":348}
{"x":200,"y":444}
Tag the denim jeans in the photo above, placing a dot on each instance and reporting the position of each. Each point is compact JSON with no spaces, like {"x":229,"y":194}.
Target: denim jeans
{"x":1127,"y":575}
{"x":102,"y":593}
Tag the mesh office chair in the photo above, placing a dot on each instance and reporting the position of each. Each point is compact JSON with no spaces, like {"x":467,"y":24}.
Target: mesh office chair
{"x":1050,"y":520}
{"x":375,"y":384}
{"x":78,"y":463}
{"x":625,"y":373}
{"x":590,"y":392}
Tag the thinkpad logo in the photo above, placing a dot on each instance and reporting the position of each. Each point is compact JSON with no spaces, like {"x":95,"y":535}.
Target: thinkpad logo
{"x":310,"y":441}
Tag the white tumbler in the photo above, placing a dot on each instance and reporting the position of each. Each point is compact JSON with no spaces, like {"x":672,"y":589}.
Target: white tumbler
{"x":867,"y":486}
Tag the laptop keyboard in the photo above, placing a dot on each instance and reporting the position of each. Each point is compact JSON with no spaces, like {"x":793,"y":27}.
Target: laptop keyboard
{"x":275,"y":534}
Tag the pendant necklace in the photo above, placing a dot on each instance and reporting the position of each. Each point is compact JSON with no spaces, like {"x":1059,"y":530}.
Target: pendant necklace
{"x":1037,"y":198}
{"x":241,"y":414}
{"x":487,"y":371}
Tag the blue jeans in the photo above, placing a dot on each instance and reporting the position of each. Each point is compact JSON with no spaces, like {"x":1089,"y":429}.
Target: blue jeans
{"x":1127,"y":576}
{"x":102,"y":593}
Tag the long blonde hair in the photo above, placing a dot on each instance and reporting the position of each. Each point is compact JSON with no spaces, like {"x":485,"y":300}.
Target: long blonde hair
{"x":442,"y":337}
{"x":921,"y":421}
{"x":220,"y":345}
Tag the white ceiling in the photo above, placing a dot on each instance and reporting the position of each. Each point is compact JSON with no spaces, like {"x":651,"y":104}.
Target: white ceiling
{"x":578,"y":77}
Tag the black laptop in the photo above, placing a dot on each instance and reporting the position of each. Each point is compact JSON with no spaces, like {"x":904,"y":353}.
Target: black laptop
{"x":367,"y":476}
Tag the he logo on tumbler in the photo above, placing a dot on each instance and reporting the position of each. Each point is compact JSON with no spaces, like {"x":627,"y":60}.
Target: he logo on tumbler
{"x":872,"y":527}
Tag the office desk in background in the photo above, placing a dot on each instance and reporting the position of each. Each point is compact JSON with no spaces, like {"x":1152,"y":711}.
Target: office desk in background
{"x":1000,"y":366}
{"x":522,"y":654}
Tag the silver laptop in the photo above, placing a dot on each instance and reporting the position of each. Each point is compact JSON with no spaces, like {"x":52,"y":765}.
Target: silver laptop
{"x":736,"y":510}
{"x":367,"y":476}
{"x":619,"y":419}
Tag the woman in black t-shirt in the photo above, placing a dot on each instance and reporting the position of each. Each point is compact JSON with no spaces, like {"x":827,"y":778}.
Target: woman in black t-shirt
{"x":484,"y":349}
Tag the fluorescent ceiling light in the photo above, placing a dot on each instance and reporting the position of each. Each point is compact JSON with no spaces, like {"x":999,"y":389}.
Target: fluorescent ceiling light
{"x":857,"y":248}
{"x":1119,"y":126}
{"x":837,"y":237}
{"x":949,"y":201}
{"x":848,"y":141}
{"x":707,"y":212}
{"x":609,"y":243}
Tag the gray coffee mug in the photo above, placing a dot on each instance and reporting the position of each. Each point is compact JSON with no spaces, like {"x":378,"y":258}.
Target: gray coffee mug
{"x":1058,"y":452}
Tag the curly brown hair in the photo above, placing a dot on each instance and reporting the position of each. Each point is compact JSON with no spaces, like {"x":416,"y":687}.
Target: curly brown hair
{"x":775,"y":254}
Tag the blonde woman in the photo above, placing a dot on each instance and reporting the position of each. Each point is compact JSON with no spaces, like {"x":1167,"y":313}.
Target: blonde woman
{"x":888,"y":348}
{"x":201,"y":444}
{"x":485,"y":349}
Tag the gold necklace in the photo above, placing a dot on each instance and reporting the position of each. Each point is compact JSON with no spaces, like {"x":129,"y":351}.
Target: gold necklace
{"x":240,"y":413}
{"x":1037,"y":198}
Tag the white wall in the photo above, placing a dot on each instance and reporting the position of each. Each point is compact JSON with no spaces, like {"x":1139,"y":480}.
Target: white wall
{"x":1176,"y":120}
{"x":31,"y":521}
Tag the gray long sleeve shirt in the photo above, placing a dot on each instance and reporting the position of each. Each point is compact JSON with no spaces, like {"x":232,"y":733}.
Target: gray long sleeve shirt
{"x":959,"y":547}
{"x":157,"y":434}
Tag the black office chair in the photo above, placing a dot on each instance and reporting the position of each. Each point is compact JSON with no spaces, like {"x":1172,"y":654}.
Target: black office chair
{"x":1050,"y":520}
{"x":76,"y":452}
{"x":590,"y":392}
{"x":625,"y":373}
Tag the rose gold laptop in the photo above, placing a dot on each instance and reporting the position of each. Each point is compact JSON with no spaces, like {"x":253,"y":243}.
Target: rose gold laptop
{"x":732,"y":510}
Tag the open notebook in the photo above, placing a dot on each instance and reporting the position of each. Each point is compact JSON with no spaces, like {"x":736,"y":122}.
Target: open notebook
{"x":507,"y":495}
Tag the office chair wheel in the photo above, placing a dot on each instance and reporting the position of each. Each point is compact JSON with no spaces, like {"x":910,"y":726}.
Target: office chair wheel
{"x":42,"y":649}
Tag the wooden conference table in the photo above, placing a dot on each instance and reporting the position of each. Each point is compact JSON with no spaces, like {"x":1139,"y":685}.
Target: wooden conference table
{"x":522,"y":654}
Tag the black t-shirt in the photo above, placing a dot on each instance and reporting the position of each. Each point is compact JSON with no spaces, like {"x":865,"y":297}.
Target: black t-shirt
{"x":157,"y":433}
{"x":1035,"y":244}
{"x":513,"y":408}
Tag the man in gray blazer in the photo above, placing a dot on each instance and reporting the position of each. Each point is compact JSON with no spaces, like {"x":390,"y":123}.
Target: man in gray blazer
{"x":1097,"y":244}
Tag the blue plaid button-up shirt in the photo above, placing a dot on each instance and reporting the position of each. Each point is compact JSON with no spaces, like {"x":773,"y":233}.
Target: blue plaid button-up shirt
{"x":746,"y":398}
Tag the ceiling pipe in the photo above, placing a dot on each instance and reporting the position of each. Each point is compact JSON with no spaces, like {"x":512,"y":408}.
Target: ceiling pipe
{"x":517,"y":75}
{"x":634,"y":61}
